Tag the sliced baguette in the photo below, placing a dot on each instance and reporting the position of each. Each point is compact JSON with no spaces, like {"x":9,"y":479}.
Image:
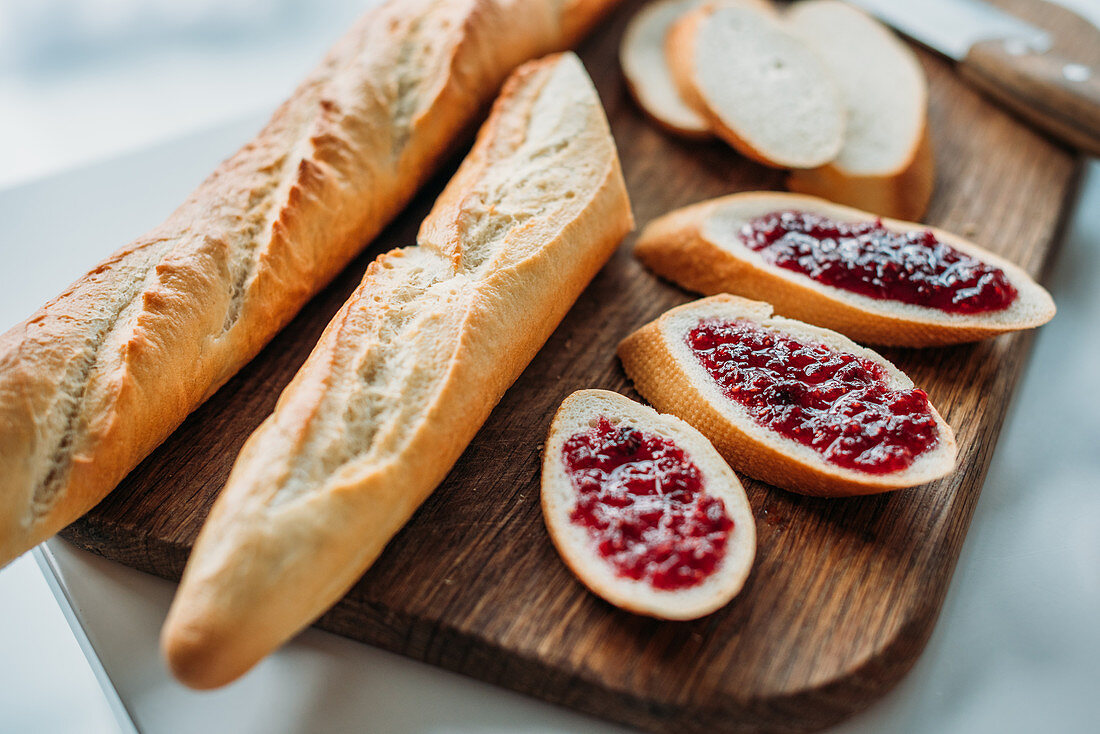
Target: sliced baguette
{"x":668,"y":375}
{"x":699,"y":248}
{"x":886,"y":164}
{"x":760,"y":88}
{"x":404,"y":375}
{"x":578,"y":413}
{"x":103,"y":373}
{"x":645,"y":68}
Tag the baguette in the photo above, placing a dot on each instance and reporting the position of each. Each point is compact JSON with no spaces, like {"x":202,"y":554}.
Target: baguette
{"x":667,"y":372}
{"x":699,"y":247}
{"x":98,"y":377}
{"x":679,"y":593}
{"x":645,"y":68}
{"x":404,"y":375}
{"x":886,"y":164}
{"x":758,"y":86}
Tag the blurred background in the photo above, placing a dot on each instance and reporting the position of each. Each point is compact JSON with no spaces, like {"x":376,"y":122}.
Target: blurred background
{"x":85,"y":79}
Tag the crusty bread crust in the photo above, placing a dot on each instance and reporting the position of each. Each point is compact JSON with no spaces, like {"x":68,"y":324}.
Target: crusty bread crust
{"x":576,"y":547}
{"x":643,"y":40}
{"x":699,"y":248}
{"x":903,"y":188}
{"x":404,"y":375}
{"x":681,"y":53}
{"x":103,"y":373}
{"x":902,"y":194}
{"x":666,"y":374}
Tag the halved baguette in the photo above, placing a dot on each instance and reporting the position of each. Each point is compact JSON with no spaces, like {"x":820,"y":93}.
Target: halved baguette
{"x":577,"y":414}
{"x":645,"y":68}
{"x":885,"y":165}
{"x":404,"y":375}
{"x":760,"y":87}
{"x":699,"y":247}
{"x":98,"y":377}
{"x":670,"y":377}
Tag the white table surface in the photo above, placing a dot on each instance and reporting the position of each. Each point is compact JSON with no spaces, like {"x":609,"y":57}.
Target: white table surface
{"x":1017,"y":648}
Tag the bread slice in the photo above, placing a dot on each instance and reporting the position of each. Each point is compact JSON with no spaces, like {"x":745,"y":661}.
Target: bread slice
{"x":404,"y":375}
{"x":670,"y":377}
{"x":645,"y":68}
{"x":886,"y":164}
{"x":760,"y":87}
{"x":99,"y":376}
{"x":579,"y":413}
{"x":699,"y":248}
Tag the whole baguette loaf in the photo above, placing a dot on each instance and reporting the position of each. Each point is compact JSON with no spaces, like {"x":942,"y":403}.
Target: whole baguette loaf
{"x":103,"y":373}
{"x":700,"y":248}
{"x":405,"y":375}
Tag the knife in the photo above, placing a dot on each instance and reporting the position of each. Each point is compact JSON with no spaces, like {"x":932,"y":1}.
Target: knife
{"x":1009,"y":60}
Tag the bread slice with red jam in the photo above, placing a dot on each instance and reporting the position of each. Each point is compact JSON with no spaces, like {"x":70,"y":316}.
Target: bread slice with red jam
{"x":643,"y":509}
{"x":879,"y":281}
{"x":794,"y":405}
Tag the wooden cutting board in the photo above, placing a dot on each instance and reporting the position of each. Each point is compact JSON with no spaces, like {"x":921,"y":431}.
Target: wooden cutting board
{"x":844,"y":593}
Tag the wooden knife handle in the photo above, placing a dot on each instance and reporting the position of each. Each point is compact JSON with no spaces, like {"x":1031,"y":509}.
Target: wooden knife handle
{"x":1052,"y":92}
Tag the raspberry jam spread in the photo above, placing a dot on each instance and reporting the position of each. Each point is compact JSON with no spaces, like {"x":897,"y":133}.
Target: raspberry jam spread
{"x":836,"y":403}
{"x":643,"y":503}
{"x":869,"y":259}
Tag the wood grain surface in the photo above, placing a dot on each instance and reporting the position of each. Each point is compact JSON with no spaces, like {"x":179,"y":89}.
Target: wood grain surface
{"x":844,"y":593}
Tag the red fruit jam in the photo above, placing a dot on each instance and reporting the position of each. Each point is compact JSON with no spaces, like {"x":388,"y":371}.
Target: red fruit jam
{"x":643,"y":503}
{"x":869,"y":259}
{"x":834,"y":402}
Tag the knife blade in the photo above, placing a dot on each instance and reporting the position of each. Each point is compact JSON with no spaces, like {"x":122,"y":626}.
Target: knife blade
{"x":1013,"y":62}
{"x":952,"y":27}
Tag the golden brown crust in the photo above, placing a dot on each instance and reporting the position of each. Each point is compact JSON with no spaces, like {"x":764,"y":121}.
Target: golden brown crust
{"x":661,"y":375}
{"x":405,"y":374}
{"x":99,"y":376}
{"x":903,"y":194}
{"x":676,"y":246}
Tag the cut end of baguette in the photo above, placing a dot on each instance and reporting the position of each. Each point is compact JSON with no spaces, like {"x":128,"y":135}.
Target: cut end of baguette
{"x":648,"y":77}
{"x":700,"y":248}
{"x":759,"y":87}
{"x":578,"y":413}
{"x":666,"y":372}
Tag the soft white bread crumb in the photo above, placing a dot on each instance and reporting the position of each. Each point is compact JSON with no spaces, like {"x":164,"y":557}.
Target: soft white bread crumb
{"x":665,"y":371}
{"x":645,"y":67}
{"x":578,"y":413}
{"x":885,"y":165}
{"x":761,"y":88}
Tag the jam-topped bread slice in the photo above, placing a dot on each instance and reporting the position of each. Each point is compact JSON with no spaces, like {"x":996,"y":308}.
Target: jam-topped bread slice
{"x":643,"y":509}
{"x":880,"y":281}
{"x":645,"y":68}
{"x":794,"y":405}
